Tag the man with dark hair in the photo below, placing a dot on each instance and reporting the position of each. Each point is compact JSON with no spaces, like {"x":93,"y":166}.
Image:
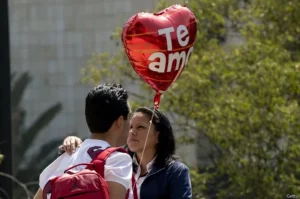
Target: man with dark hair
{"x":107,"y":116}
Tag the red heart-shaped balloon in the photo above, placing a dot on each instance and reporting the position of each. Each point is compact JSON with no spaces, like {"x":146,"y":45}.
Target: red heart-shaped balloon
{"x":159,"y":45}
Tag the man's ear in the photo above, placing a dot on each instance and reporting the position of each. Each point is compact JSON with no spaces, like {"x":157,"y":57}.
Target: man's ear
{"x":120,"y":122}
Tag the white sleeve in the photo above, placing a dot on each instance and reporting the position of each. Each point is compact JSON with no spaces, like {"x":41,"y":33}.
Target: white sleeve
{"x":118,"y":168}
{"x":51,"y":171}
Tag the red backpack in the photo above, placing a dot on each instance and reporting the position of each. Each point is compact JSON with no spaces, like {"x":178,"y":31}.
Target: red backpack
{"x":88,"y":183}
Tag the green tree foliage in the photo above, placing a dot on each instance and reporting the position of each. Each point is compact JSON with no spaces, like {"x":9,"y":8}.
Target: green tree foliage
{"x":242,"y":96}
{"x":24,"y":169}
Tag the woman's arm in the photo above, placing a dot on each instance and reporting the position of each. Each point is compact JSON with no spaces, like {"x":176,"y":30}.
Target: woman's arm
{"x":180,"y":184}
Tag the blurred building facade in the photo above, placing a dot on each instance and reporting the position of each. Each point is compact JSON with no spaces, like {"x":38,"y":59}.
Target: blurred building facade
{"x":53,"y":40}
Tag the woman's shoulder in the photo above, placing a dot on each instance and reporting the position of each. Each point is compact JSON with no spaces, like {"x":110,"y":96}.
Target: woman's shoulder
{"x":177,"y":171}
{"x":177,"y":165}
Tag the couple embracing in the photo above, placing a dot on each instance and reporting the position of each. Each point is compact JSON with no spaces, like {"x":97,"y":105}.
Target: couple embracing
{"x":100,"y":169}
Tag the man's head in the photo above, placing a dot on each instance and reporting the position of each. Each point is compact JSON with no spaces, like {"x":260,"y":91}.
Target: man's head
{"x":107,"y":109}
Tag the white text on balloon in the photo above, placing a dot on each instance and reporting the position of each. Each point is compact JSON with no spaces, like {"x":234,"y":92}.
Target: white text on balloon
{"x":180,"y":57}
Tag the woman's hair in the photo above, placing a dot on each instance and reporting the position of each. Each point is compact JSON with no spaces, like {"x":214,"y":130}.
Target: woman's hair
{"x":165,"y":148}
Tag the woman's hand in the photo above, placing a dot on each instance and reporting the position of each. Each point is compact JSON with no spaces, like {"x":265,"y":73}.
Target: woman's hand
{"x":70,"y":144}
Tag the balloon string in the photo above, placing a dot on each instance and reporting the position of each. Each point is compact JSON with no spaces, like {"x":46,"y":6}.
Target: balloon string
{"x":139,"y":164}
{"x":157,"y":99}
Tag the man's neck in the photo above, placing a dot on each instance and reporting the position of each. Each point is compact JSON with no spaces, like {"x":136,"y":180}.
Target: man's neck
{"x":105,"y":137}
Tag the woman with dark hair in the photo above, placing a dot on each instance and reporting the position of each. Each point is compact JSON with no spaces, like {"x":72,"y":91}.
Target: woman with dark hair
{"x":158,"y":172}
{"x":161,"y":174}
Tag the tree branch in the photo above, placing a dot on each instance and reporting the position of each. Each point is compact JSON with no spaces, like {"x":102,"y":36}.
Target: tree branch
{"x":5,"y":193}
{"x":28,"y":193}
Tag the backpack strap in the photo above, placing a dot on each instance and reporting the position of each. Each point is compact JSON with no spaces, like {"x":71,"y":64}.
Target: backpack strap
{"x":100,"y":159}
{"x":135,"y":194}
{"x":99,"y":162}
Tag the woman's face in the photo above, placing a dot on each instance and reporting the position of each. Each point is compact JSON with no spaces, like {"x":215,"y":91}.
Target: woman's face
{"x":139,"y":126}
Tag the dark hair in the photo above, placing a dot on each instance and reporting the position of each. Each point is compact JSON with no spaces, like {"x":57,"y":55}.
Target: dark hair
{"x":103,"y":105}
{"x":165,"y":148}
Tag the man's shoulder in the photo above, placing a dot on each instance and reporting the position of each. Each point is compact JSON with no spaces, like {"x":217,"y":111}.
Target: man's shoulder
{"x":119,"y":156}
{"x":95,"y":142}
{"x":60,"y":161}
{"x":118,"y":168}
{"x":56,"y":168}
